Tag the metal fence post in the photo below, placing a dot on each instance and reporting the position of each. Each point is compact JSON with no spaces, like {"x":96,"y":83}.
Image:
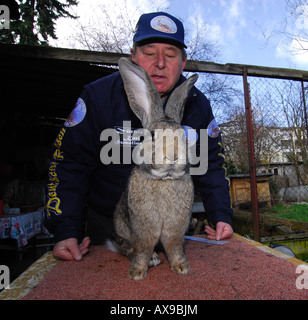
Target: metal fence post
{"x":252,"y":165}
{"x":305,"y":107}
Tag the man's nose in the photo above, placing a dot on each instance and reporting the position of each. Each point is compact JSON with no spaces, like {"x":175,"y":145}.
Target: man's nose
{"x":160,"y":61}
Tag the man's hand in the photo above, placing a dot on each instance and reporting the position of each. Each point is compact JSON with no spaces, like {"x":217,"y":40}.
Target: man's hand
{"x":70,"y":250}
{"x":223,"y":231}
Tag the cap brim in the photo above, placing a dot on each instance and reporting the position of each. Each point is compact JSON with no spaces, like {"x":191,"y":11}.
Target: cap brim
{"x":157,"y":38}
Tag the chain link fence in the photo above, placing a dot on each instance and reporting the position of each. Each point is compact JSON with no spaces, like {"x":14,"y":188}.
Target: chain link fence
{"x":278,"y":120}
{"x":280,"y":136}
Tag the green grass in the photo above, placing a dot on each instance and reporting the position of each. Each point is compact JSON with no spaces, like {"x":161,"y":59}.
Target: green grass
{"x":298,"y":212}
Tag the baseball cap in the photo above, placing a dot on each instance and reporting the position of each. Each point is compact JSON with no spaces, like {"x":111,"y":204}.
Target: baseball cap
{"x":160,"y":25}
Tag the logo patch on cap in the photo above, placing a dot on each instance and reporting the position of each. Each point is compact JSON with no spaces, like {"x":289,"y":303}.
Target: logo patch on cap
{"x":164,"y":24}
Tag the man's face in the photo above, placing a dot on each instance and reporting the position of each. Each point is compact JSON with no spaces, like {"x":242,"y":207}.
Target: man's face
{"x":163,"y":63}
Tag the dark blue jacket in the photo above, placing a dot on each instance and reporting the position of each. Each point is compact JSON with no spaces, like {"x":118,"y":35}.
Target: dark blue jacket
{"x":78,"y":179}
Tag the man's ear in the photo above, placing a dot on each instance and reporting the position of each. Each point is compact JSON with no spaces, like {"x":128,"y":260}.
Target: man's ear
{"x":184,"y":64}
{"x":132,"y":54}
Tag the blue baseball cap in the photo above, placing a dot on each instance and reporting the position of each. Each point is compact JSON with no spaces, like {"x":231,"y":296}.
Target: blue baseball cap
{"x":161,"y":26}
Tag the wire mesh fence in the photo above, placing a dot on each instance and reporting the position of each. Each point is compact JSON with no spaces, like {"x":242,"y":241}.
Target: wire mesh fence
{"x":279,"y":131}
{"x":281,"y":136}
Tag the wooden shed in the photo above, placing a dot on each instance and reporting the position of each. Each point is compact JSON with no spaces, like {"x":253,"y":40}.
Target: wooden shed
{"x":241,"y":192}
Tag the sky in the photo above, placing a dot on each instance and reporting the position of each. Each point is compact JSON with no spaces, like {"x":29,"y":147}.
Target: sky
{"x":245,"y":31}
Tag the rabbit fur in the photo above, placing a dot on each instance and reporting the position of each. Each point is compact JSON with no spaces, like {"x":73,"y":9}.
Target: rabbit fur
{"x":156,"y":205}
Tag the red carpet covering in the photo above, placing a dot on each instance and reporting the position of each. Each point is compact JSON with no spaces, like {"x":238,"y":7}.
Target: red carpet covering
{"x":234,"y":271}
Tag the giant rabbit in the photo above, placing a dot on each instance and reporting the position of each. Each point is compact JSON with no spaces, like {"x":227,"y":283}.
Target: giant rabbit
{"x":156,"y":205}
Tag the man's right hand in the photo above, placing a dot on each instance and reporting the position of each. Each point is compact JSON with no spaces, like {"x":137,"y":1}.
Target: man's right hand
{"x":70,"y":250}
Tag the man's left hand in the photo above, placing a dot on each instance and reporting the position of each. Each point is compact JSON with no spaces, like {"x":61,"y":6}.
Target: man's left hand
{"x":223,"y":231}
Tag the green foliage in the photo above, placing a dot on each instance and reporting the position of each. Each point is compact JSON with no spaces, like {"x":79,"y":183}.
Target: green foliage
{"x":233,"y":169}
{"x":36,"y":21}
{"x":296,"y":212}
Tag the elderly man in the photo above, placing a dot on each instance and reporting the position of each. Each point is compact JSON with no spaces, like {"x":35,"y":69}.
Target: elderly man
{"x":82,"y":191}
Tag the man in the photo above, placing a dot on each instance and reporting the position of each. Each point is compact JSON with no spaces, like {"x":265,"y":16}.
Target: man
{"x":79,"y":181}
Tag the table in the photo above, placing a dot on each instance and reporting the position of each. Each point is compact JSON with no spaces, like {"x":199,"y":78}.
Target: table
{"x":22,"y":227}
{"x":242,"y":269}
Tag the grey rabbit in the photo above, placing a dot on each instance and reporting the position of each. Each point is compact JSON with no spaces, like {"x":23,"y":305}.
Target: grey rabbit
{"x":156,"y":205}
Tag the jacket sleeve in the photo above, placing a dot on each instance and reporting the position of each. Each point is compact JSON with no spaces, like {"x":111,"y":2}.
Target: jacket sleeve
{"x":214,"y":185}
{"x":73,"y":159}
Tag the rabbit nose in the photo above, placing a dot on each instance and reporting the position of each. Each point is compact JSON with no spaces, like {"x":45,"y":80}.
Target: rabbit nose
{"x":171,"y":151}
{"x":171,"y":157}
{"x":171,"y":161}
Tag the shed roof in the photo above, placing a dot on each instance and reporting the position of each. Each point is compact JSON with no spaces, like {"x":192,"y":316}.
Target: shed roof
{"x":39,"y":84}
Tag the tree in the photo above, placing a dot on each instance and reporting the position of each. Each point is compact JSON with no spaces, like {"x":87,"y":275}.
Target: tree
{"x":297,"y":11}
{"x":111,"y":29}
{"x":36,"y":21}
{"x":293,"y":29}
{"x":111,"y":25}
{"x":279,"y":128}
{"x":266,"y":139}
{"x":292,"y":101}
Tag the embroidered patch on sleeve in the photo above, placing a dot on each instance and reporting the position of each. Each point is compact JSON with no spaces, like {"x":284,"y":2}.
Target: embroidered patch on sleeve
{"x":77,"y":115}
{"x":191,"y":135}
{"x":213,"y":129}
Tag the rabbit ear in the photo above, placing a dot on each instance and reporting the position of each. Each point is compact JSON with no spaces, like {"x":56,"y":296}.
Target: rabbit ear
{"x":142,"y":94}
{"x":176,"y":102}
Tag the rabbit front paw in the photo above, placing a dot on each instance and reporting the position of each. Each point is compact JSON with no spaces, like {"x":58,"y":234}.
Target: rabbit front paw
{"x":181,"y":268}
{"x":136,"y":274}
